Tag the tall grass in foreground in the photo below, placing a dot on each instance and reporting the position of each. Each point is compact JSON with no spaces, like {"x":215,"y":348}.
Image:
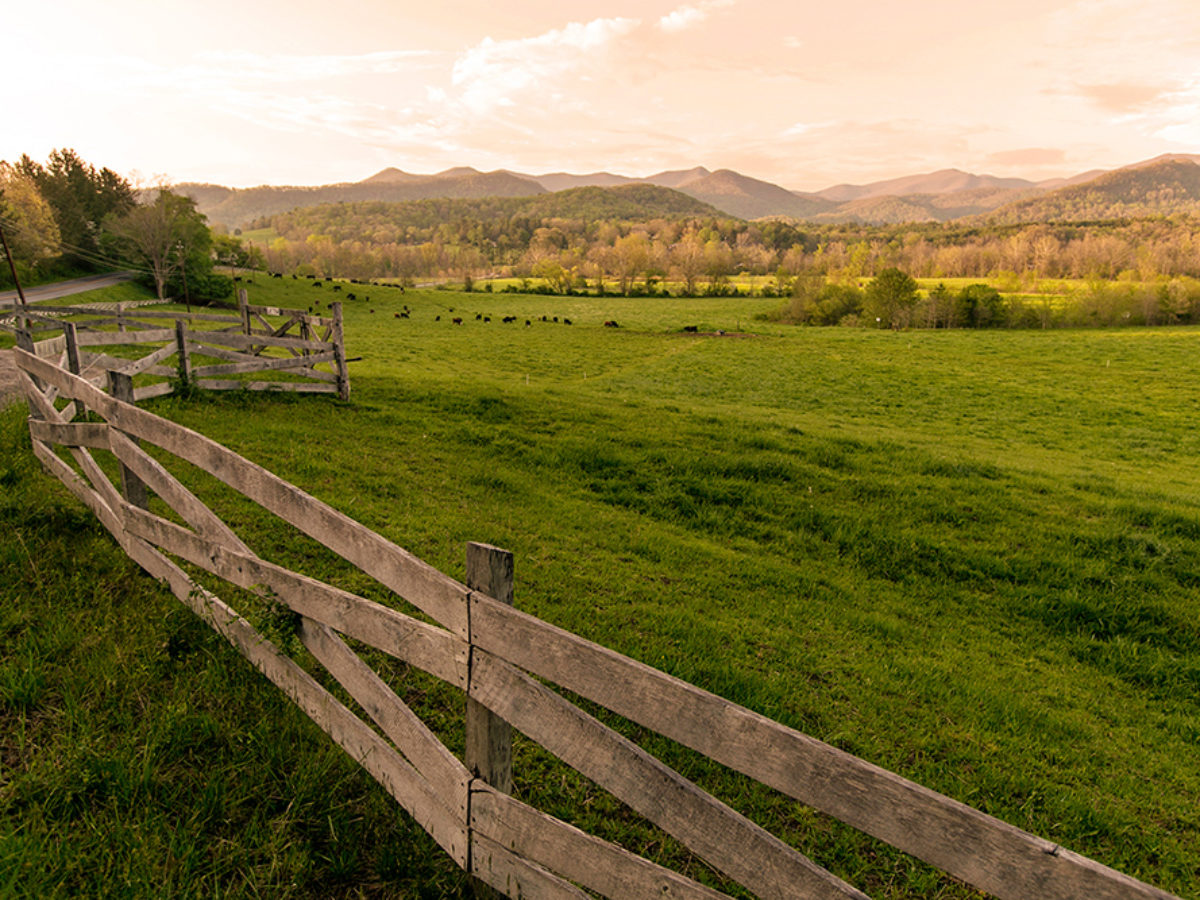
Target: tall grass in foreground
{"x":969,"y":558}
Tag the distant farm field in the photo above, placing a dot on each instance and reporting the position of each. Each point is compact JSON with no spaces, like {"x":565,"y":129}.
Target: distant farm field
{"x":971,"y":557}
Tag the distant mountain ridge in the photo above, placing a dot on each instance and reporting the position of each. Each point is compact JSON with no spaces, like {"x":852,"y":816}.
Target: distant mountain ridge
{"x":1156,"y":186}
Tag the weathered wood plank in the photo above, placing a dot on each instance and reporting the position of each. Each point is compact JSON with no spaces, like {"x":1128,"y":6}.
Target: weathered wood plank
{"x":436,"y":594}
{"x":489,"y":737}
{"x":164,"y":484}
{"x":516,"y":877}
{"x":262,"y":364}
{"x":296,"y":387}
{"x":427,"y":647}
{"x":51,"y":348}
{"x":106,"y":338}
{"x":71,"y":434}
{"x":447,"y":776}
{"x":598,"y":865}
{"x":366,"y":747}
{"x":146,"y":391}
{"x":974,"y":847}
{"x":728,"y":840}
{"x":138,"y":366}
{"x":339,"y":347}
{"x":257,"y":340}
{"x":184,"y":360}
{"x":132,"y":487}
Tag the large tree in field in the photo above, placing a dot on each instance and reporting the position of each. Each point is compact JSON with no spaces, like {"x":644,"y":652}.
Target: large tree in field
{"x":889,"y":298}
{"x":166,"y":236}
{"x":81,"y":197}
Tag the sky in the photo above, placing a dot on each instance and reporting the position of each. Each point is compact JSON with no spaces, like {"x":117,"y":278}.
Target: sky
{"x":804,"y":94}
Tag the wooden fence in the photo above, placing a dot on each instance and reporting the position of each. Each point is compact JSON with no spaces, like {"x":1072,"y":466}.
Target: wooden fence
{"x":296,"y":342}
{"x":496,"y":655}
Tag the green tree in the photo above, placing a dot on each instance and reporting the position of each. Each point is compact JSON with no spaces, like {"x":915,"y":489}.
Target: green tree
{"x":81,"y":197}
{"x":980,"y":306}
{"x":28,"y":221}
{"x":889,"y":298}
{"x":170,"y":238}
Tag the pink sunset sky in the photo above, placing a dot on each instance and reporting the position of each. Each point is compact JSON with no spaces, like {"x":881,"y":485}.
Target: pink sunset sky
{"x":805,"y":94}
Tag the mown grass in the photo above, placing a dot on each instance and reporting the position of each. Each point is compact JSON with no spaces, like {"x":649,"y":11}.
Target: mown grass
{"x":969,"y":557}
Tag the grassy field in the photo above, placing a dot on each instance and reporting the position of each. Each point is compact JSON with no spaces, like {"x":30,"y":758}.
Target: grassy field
{"x":967,"y":556}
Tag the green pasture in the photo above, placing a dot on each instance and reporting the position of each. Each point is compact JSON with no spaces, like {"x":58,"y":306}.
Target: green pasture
{"x":967,"y":556}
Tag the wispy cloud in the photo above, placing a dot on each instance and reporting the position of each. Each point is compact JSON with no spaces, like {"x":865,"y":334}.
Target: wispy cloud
{"x":685,"y":17}
{"x":493,"y":73}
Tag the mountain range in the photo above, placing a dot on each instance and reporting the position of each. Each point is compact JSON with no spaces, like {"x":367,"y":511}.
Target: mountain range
{"x":1165,"y":185}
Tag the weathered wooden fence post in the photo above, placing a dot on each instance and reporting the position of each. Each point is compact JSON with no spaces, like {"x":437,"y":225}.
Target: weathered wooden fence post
{"x":72,"y":347}
{"x":339,"y":361}
{"x":244,"y":309}
{"x":133,"y":488}
{"x":185,"y":359}
{"x":120,"y":316}
{"x":489,"y":737}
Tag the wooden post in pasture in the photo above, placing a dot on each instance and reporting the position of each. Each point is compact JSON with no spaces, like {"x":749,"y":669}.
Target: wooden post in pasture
{"x":339,"y":362}
{"x":489,"y":737}
{"x":185,"y":359}
{"x":72,"y":347}
{"x":120,"y":316}
{"x":244,"y":309}
{"x":133,"y":488}
{"x":24,"y":339}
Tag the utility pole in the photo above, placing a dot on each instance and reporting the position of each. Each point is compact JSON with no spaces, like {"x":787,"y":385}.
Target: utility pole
{"x":12,"y":267}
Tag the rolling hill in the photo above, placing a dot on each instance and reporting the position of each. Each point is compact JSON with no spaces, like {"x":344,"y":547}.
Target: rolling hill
{"x":1161,"y":187}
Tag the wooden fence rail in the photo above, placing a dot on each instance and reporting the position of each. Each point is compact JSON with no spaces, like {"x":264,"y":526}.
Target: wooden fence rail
{"x":496,"y":655}
{"x":249,"y":343}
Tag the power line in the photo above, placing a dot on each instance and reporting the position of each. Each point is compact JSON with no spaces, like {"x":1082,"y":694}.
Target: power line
{"x":83,"y":253}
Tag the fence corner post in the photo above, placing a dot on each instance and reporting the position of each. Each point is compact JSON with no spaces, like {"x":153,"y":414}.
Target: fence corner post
{"x":488,"y":737}
{"x":72,"y":339}
{"x":133,"y":488}
{"x":244,"y":309}
{"x":185,"y":359}
{"x":343,"y":374}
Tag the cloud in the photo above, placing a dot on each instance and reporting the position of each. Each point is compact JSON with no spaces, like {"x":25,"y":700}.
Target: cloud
{"x":684,"y":17}
{"x":1028,"y":156}
{"x":1125,"y":98}
{"x":490,"y":74}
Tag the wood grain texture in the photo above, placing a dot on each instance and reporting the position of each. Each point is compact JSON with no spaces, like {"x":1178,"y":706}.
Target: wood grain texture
{"x":175,"y":495}
{"x":263,"y":364}
{"x":983,"y":851}
{"x":515,"y":877}
{"x":425,"y":646}
{"x":259,"y":340}
{"x":436,"y":594}
{"x":107,"y":338}
{"x":589,"y":861}
{"x":447,"y":776}
{"x":136,"y":367}
{"x":726,"y":839}
{"x":367,"y":748}
{"x":71,"y":434}
{"x":294,"y":387}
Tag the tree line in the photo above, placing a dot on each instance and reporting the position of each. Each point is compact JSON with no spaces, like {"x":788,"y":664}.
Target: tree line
{"x":66,"y":217}
{"x":466,"y":239}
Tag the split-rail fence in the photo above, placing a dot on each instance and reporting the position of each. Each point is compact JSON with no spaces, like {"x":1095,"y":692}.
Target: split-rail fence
{"x":501,"y":658}
{"x":267,"y":339}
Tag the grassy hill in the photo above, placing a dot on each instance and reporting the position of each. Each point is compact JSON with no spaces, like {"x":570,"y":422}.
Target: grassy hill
{"x":969,"y":557}
{"x":634,"y":202}
{"x":235,"y":207}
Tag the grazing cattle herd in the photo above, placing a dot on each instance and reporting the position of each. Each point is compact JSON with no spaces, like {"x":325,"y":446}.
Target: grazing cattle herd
{"x":406,"y":313}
